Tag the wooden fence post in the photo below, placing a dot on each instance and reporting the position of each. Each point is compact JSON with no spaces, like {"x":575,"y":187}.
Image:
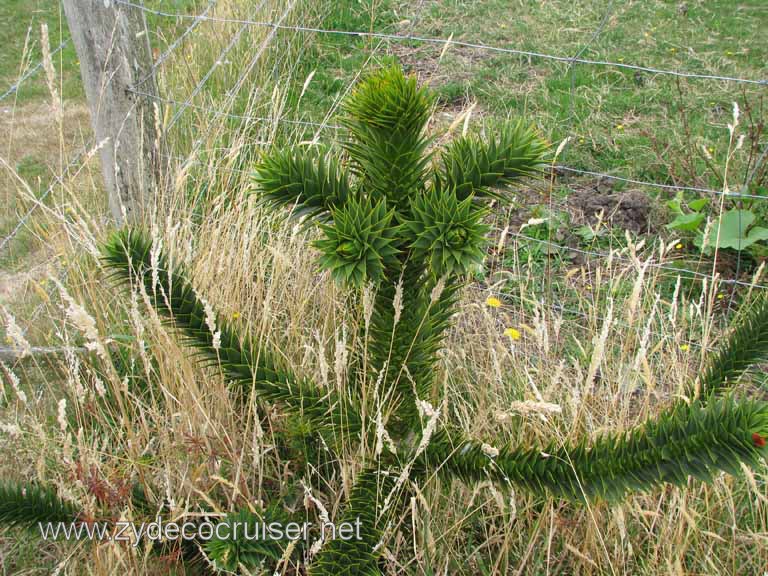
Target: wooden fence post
{"x":115,"y":59}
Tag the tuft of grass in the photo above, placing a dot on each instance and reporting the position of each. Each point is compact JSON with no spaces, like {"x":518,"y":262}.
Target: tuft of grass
{"x":181,"y":426}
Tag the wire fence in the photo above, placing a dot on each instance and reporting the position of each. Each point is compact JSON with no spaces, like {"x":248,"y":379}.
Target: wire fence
{"x":31,"y":72}
{"x":576,"y":59}
{"x":71,"y":165}
{"x":451,"y":42}
{"x":447,"y":41}
{"x":557,"y":167}
{"x":279,"y":25}
{"x":82,"y":152}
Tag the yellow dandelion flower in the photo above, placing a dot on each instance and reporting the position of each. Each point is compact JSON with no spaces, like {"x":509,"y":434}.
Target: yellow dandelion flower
{"x":684,"y":347}
{"x":679,"y":246}
{"x":513,"y":333}
{"x":619,"y":126}
{"x":493,"y":302}
{"x":235,"y":315}
{"x":720,"y":296}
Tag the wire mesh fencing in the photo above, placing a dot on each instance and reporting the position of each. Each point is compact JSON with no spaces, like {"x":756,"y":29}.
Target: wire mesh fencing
{"x":280,"y":25}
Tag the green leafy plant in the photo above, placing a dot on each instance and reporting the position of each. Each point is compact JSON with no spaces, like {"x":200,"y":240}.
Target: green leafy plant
{"x":407,"y":222}
{"x":689,"y":219}
{"x":542,"y":236}
{"x":735,"y":228}
{"x":26,"y":505}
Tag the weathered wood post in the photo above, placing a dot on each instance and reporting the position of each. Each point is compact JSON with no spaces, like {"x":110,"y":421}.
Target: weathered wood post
{"x":115,"y":62}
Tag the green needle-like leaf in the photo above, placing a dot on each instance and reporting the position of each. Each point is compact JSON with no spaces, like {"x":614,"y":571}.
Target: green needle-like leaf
{"x":24,"y":505}
{"x":745,"y":346}
{"x":472,"y":166}
{"x":385,"y":116}
{"x":686,"y":440}
{"x":359,"y":244}
{"x":365,"y":511}
{"x":248,"y":365}
{"x":312,"y":181}
{"x":447,"y":233}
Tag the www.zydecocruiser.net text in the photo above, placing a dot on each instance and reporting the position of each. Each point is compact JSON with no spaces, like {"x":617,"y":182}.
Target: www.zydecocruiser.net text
{"x":159,"y":530}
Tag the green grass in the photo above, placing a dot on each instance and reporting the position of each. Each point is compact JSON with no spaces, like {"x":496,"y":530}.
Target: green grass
{"x":335,"y":60}
{"x":639,"y":125}
{"x":21,"y":40}
{"x":621,"y":121}
{"x":34,"y":149}
{"x":20,"y":37}
{"x":634,"y":124}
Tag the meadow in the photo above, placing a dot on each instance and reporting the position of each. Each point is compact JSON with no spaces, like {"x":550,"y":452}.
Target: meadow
{"x":599,"y":300}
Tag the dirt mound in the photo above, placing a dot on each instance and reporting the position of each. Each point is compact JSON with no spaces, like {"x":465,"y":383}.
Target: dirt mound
{"x":630,"y":210}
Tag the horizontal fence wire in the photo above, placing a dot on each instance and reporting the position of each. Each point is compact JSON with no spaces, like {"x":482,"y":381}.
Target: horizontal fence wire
{"x":175,"y":44}
{"x":31,"y":72}
{"x":659,"y":185}
{"x":615,"y":323}
{"x":449,"y":42}
{"x":213,"y":112}
{"x":246,"y":117}
{"x":655,"y":265}
{"x":683,"y":272}
{"x":576,"y":59}
{"x":187,"y":104}
{"x":196,"y":90}
{"x":556,"y":307}
{"x":75,"y":161}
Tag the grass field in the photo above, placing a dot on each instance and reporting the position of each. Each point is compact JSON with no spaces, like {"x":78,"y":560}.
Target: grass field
{"x":598,"y":310}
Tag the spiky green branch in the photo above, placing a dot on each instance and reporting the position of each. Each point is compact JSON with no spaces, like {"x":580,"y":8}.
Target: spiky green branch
{"x":24,"y":505}
{"x":473,"y":166}
{"x":686,"y":440}
{"x":385,"y":118}
{"x":360,"y":243}
{"x":128,"y":253}
{"x":244,"y":542}
{"x":403,"y":340}
{"x":745,"y":346}
{"x":365,"y":509}
{"x":313,"y":181}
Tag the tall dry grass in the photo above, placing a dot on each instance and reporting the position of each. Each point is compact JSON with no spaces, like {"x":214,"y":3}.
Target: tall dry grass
{"x":198,"y":449}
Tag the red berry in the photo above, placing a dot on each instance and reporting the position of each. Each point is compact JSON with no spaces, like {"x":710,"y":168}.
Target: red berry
{"x":758,"y":440}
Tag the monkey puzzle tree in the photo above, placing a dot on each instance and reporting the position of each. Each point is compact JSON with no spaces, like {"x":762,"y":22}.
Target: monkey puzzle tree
{"x":406,"y":221}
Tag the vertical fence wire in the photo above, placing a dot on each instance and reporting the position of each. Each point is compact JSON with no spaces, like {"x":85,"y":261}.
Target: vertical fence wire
{"x":572,"y":62}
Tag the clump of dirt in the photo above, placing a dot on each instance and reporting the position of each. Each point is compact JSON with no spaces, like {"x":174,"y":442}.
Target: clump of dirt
{"x":630,"y":210}
{"x":425,"y":62}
